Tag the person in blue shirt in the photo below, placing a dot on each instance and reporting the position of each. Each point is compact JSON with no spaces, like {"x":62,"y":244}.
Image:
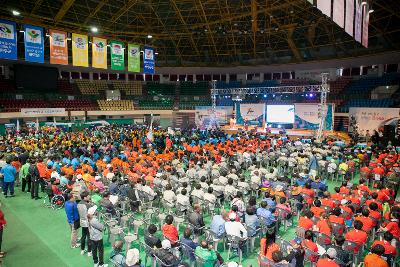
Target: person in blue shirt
{"x":75,"y":163}
{"x":187,"y":240}
{"x":218,"y":224}
{"x":8,"y":173}
{"x":71,"y":209}
{"x":266,"y":214}
{"x":270,"y":202}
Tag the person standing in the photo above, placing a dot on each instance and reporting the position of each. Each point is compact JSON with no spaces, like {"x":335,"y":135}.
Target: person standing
{"x":24,"y":177}
{"x":82,"y":210}
{"x":3,"y":223}
{"x":8,"y":173}
{"x":34,"y":177}
{"x":96,"y":237}
{"x":71,"y":210}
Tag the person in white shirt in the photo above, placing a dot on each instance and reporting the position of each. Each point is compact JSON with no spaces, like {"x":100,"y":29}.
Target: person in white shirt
{"x":183,"y":200}
{"x":55,"y":174}
{"x":148,"y":190}
{"x":233,"y":175}
{"x":234,"y":228}
{"x":272,"y":174}
{"x":230,"y":190}
{"x":209,"y":196}
{"x":184,"y":186}
{"x":223,"y":180}
{"x":169,"y":196}
{"x":243,"y":185}
{"x":198,"y":192}
{"x":203,"y":184}
{"x":191,"y":173}
{"x":238,"y":202}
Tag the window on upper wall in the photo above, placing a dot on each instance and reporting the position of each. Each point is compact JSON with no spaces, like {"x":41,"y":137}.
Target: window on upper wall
{"x":276,"y":76}
{"x":104,"y":76}
{"x":96,"y":76}
{"x":249,"y":76}
{"x":223,"y":77}
{"x":112,"y":76}
{"x":207,"y":77}
{"x":216,"y":77}
{"x":149,"y":77}
{"x":173,"y":77}
{"x":268,"y":76}
{"x":131,"y":77}
{"x":286,"y":75}
{"x":85,"y":75}
{"x":156,"y":77}
{"x":139,"y":77}
{"x":391,"y":68}
{"x":65,"y":74}
{"x":346,"y":72}
{"x":121,"y":76}
{"x":232,"y":77}
{"x":199,"y":77}
{"x":355,"y":71}
{"x":365,"y":69}
{"x":189,"y":77}
{"x":182,"y":77}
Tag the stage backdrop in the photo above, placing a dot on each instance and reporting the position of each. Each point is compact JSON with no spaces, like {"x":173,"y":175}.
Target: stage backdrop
{"x":204,"y":114}
{"x":250,"y":114}
{"x":306,"y":116}
{"x":374,"y":118}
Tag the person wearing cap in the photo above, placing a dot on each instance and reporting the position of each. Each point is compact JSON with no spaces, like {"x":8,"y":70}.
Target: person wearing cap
{"x":96,"y":230}
{"x":374,"y":259}
{"x":166,"y":256}
{"x":235,"y":228}
{"x":329,"y":261}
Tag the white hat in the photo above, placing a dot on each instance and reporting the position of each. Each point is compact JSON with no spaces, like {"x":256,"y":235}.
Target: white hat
{"x":109,"y":165}
{"x":132,"y":257}
{"x":232,"y":216}
{"x":79,"y":176}
{"x":343,"y":202}
{"x":279,"y":188}
{"x":166,"y":244}
{"x":232,"y":264}
{"x":97,"y":177}
{"x":110,"y":175}
{"x":331,"y":252}
{"x":92,"y":210}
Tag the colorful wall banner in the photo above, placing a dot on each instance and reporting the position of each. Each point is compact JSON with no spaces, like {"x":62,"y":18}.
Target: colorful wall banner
{"x":338,"y":12}
{"x":358,"y":22}
{"x":374,"y":118}
{"x":204,"y":115}
{"x":99,"y":53}
{"x":324,"y":6}
{"x":148,"y":60}
{"x":58,"y":47}
{"x":80,"y":50}
{"x":250,"y":114}
{"x":365,"y":24}
{"x":306,"y":117}
{"x":117,"y":55}
{"x":8,"y":39}
{"x":42,"y":111}
{"x":34,"y":44}
{"x":133,"y":58}
{"x":349,"y":25}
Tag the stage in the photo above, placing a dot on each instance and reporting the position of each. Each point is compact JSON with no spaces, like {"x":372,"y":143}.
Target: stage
{"x":289,"y":133}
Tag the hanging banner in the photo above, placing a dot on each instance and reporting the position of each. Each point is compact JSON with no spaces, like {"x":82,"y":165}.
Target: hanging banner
{"x":338,"y":12}
{"x":250,"y":114}
{"x":148,"y":60}
{"x":34,"y":44}
{"x":58,"y":47}
{"x":324,"y":6}
{"x":133,"y":58}
{"x":306,"y":117}
{"x":365,"y":23}
{"x":117,"y":55}
{"x":8,"y":40}
{"x":358,"y":23}
{"x":349,"y":17}
{"x":99,"y":53}
{"x":80,"y":50}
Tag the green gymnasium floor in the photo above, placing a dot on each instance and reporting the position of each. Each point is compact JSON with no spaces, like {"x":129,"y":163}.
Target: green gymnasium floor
{"x":37,"y":236}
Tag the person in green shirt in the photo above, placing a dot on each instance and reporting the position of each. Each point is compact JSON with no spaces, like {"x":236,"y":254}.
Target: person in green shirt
{"x":23,"y":172}
{"x":206,"y":253}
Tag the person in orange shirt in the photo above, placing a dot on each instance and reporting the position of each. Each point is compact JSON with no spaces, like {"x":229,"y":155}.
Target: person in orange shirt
{"x":316,"y":209}
{"x":344,"y":189}
{"x":335,"y":217}
{"x":324,"y":226}
{"x":329,"y":261}
{"x":374,"y":213}
{"x":309,"y":244}
{"x":386,"y":243}
{"x":337,"y":196}
{"x":305,"y":221}
{"x":368,"y":223}
{"x":268,"y":245}
{"x":357,"y":235}
{"x":374,"y":259}
{"x":326,"y":201}
{"x":170,"y":231}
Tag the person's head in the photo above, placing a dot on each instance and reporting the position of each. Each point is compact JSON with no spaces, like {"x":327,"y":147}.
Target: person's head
{"x":365,"y":212}
{"x":374,"y":195}
{"x":277,"y":256}
{"x":117,"y":246}
{"x":210,"y":190}
{"x":168,"y":187}
{"x":308,"y":235}
{"x":85,"y":195}
{"x":336,"y":211}
{"x":239,"y":194}
{"x":264,"y":204}
{"x":388,"y":236}
{"x":253,"y":201}
{"x":339,"y":240}
{"x":337,"y":189}
{"x":224,"y":215}
{"x":187,"y":233}
{"x":358,"y":225}
{"x":169,"y":219}
{"x":106,"y":194}
{"x":198,"y":186}
{"x":373,"y":206}
{"x":204,"y":244}
{"x":309,"y":214}
{"x":317,"y":203}
{"x":308,"y":185}
{"x":378,"y":250}
{"x":152,"y":229}
{"x":184,"y":191}
{"x":250,"y":211}
{"x":282,"y":200}
{"x":197,"y":208}
{"x":230,"y":181}
{"x":235,"y":208}
{"x":70,"y":197}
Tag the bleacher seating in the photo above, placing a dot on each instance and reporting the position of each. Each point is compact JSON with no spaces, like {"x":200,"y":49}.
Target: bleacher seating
{"x":266,"y":83}
{"x":155,"y":88}
{"x":372,"y":103}
{"x":224,"y":85}
{"x":115,"y":105}
{"x":87,"y":87}
{"x":193,"y":104}
{"x":65,"y":87}
{"x":191,"y":88}
{"x":337,"y":86}
{"x":15,"y":105}
{"x":6,"y":86}
{"x":76,"y":104}
{"x":152,"y":104}
{"x":364,"y":85}
{"x":130,"y":88}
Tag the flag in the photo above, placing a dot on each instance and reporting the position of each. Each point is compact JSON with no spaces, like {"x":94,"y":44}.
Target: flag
{"x":8,"y":40}
{"x":34,"y":44}
{"x":58,"y":47}
{"x":133,"y":58}
{"x":80,"y":50}
{"x":17,"y":125}
{"x":99,"y":53}
{"x":37,"y":124}
{"x":148,"y":60}
{"x":117,"y":55}
{"x":150,"y":132}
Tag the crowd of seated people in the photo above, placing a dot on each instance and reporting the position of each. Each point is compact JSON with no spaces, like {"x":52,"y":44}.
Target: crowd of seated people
{"x":250,"y":186}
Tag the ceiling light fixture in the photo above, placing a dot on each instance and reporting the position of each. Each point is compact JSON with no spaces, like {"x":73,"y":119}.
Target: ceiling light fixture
{"x":371,"y":11}
{"x":149,"y":36}
{"x":16,"y":13}
{"x":94,"y":29}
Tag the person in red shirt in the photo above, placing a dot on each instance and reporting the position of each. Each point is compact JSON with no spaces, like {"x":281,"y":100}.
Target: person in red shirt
{"x":363,"y":187}
{"x":170,"y":231}
{"x":3,"y":222}
{"x":386,"y":243}
{"x":374,"y":214}
{"x":326,"y":201}
{"x":309,"y":244}
{"x":337,"y":196}
{"x":324,"y":226}
{"x":329,"y":261}
{"x":316,"y":209}
{"x":357,"y":235}
{"x":374,"y":259}
{"x":335,"y":216}
{"x":374,"y":196}
{"x":344,"y":189}
{"x":305,"y":222}
{"x":368,"y":223}
{"x":393,"y":226}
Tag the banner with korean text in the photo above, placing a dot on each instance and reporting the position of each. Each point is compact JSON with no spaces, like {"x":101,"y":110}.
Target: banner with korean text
{"x":58,"y":47}
{"x":34,"y":44}
{"x":8,"y":39}
{"x":133,"y":58}
{"x":99,"y":53}
{"x":349,"y":25}
{"x":117,"y":55}
{"x":338,"y":12}
{"x":358,"y":22}
{"x":148,"y":60}
{"x":365,"y":24}
{"x":80,"y":50}
{"x":324,"y":6}
{"x":374,"y":118}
